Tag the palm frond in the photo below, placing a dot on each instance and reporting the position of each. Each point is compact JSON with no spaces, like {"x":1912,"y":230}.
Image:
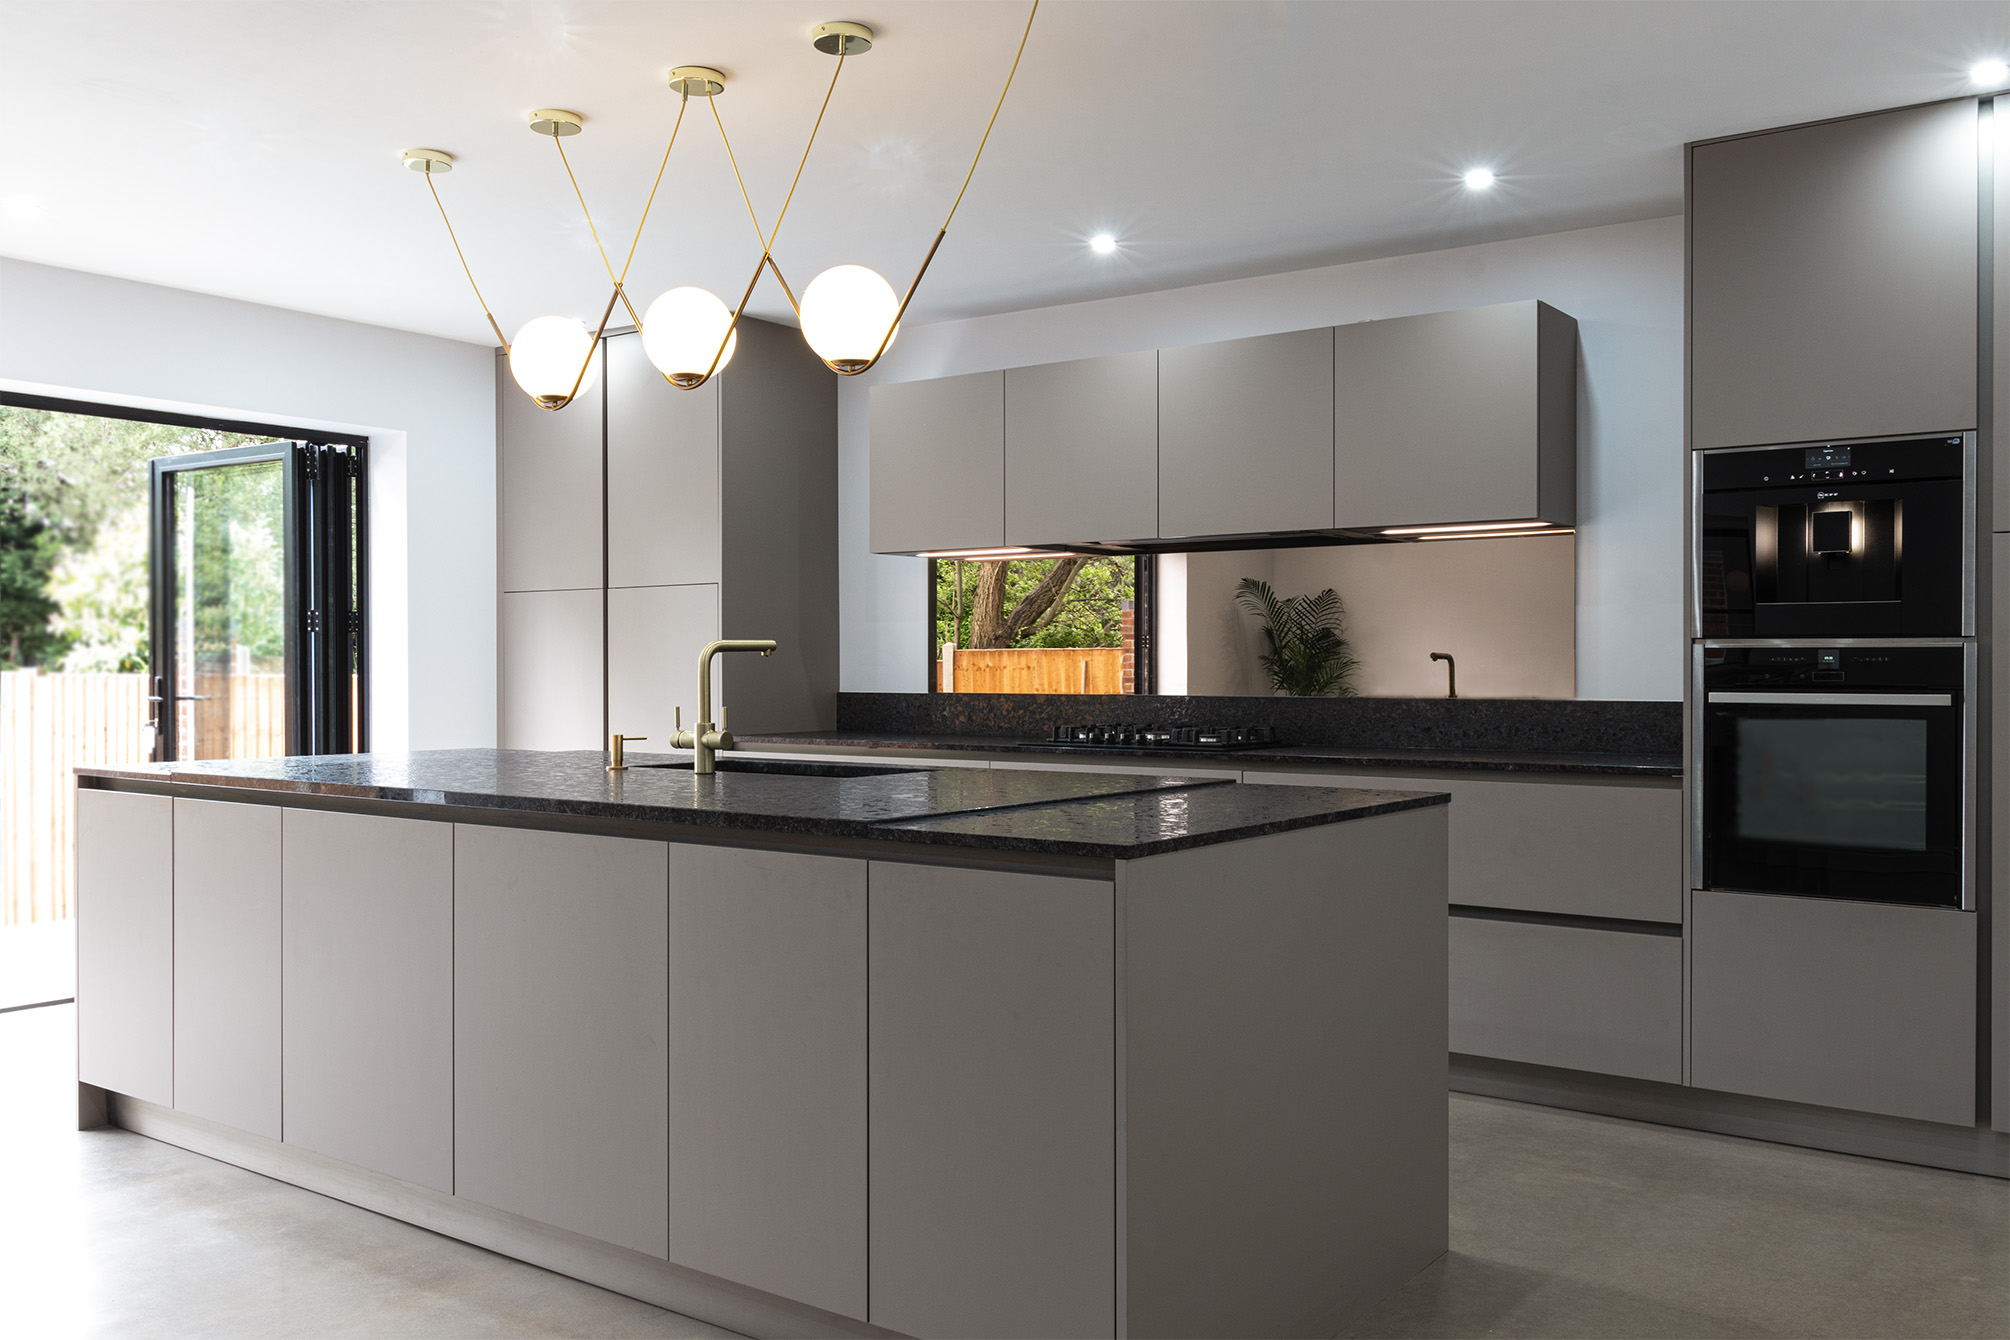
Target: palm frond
{"x":1309,"y":655}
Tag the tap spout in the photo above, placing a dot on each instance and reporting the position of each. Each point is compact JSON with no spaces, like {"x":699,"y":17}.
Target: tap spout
{"x":705,"y":740}
{"x":1451,"y":672}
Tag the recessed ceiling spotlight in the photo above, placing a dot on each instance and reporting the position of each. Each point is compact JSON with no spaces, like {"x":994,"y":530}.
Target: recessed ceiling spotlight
{"x":1102,"y":244}
{"x":1479,"y":179}
{"x":1989,"y":73}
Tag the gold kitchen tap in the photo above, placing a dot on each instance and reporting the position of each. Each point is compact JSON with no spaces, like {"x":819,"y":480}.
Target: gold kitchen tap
{"x":703,"y":740}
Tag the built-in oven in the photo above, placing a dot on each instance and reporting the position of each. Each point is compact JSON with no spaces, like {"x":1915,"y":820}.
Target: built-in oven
{"x":1838,"y":771}
{"x":1837,"y":540}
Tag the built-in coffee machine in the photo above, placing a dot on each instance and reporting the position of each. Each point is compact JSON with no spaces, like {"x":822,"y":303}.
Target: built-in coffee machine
{"x":1837,"y":539}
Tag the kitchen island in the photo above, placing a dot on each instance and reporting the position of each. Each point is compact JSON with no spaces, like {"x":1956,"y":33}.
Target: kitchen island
{"x":800,"y":1048}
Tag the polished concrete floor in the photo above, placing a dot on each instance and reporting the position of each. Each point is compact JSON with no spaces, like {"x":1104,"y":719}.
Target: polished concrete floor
{"x":1562,"y":1225}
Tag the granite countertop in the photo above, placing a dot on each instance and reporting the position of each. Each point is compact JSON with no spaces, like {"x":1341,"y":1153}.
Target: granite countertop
{"x":1101,"y":815}
{"x":1330,"y":756}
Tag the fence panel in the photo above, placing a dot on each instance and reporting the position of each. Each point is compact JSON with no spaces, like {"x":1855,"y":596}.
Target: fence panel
{"x":1039,"y":670}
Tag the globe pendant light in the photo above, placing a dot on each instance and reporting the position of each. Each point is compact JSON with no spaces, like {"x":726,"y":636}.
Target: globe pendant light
{"x":546,"y":358}
{"x":681,"y":335}
{"x":848,"y":315}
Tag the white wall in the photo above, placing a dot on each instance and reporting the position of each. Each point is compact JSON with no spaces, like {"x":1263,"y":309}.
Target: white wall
{"x":427,"y":404}
{"x":1623,"y":283}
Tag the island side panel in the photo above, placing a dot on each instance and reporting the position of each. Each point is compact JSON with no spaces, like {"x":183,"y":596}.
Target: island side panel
{"x":768,"y":1071}
{"x":1285,"y":1076}
{"x":993,"y":1123}
{"x":125,"y":944}
{"x":560,"y":1011}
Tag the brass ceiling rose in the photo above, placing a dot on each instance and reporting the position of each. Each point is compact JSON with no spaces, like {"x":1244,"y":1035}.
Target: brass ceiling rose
{"x":556,"y":122}
{"x":429,"y":160}
{"x":697,"y":81}
{"x":841,"y":38}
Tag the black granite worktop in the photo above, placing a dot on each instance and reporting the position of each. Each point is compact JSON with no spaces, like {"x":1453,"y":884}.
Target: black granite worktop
{"x":1293,"y":756}
{"x":1100,"y":815}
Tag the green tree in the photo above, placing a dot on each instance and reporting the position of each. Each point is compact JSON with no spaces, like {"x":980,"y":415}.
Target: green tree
{"x":65,"y":479}
{"x":1071,"y":601}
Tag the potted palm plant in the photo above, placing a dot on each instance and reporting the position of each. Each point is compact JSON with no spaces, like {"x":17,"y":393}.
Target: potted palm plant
{"x":1309,"y":655}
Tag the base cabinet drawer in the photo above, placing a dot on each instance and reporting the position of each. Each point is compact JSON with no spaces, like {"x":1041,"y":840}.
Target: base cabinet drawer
{"x":1851,"y":1005}
{"x":1606,"y":1001}
{"x":1574,"y":849}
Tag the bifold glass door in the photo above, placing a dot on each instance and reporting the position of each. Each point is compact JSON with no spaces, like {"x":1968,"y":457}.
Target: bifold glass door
{"x":257,"y":602}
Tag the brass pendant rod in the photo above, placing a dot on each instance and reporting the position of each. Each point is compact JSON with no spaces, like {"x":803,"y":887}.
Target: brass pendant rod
{"x":992,"y":122}
{"x":682,"y":104}
{"x":767,"y":239}
{"x":787,"y":292}
{"x":577,"y":194}
{"x":591,"y":350}
{"x":943,"y":231}
{"x":906,"y":298}
{"x":500,"y":339}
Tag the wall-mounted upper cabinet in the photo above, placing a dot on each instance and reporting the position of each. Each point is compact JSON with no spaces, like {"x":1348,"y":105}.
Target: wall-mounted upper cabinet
{"x":1832,"y":279}
{"x":1456,"y":416}
{"x":1246,"y":435}
{"x":1081,"y":450}
{"x":662,"y":474}
{"x":550,"y":484}
{"x":938,"y":464}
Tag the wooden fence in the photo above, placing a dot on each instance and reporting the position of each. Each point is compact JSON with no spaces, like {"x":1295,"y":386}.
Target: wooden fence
{"x":1033,"y":670}
{"x":51,"y":723}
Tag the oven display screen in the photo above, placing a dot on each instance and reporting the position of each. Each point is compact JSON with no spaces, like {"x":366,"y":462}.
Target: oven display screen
{"x":1848,"y":782}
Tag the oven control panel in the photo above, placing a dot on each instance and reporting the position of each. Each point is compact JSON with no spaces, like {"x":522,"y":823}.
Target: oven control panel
{"x":1816,"y":668}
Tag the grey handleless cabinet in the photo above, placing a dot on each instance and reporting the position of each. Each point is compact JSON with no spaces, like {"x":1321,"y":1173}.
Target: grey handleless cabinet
{"x":227,"y":964}
{"x":125,"y":944}
{"x":662,"y":474}
{"x":1246,"y":435}
{"x":367,"y":972}
{"x":1999,"y":831}
{"x":768,"y":1071}
{"x":1850,"y":1005}
{"x":1832,"y":279}
{"x":549,"y":679}
{"x":1580,"y":997}
{"x":560,"y":1008}
{"x":1456,"y":416}
{"x":2001,"y":350}
{"x":550,"y":482}
{"x":938,"y":464}
{"x":993,"y":1127}
{"x":1081,"y":450}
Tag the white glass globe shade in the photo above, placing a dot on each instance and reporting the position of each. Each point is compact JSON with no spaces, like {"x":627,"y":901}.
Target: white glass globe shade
{"x":545,"y":357}
{"x":845,"y":314}
{"x":681,"y":333}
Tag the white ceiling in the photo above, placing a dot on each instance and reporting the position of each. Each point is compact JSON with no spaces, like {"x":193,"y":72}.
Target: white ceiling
{"x":250,"y":148}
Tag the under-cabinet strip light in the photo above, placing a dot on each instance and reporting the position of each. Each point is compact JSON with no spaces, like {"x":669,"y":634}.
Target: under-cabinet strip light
{"x":978,"y":553}
{"x":1496,"y":534}
{"x":1469,"y":526}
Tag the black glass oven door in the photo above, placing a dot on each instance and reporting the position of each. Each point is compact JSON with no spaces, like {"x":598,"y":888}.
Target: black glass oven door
{"x":1836,"y":795}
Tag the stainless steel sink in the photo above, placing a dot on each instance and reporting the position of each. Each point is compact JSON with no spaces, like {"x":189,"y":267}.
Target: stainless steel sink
{"x":790,"y":768}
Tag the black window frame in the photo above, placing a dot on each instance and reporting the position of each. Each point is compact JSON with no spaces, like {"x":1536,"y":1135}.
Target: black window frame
{"x":318,"y":653}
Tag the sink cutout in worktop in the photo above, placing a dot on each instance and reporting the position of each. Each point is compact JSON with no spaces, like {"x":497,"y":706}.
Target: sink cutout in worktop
{"x":788,"y":768}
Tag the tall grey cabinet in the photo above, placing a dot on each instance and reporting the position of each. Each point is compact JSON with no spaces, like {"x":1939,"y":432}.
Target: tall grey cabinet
{"x":1832,"y":279}
{"x":647,"y":521}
